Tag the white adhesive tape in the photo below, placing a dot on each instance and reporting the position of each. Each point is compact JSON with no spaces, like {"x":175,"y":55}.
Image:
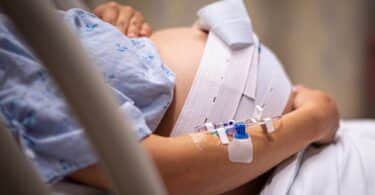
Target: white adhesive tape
{"x":223,"y":136}
{"x":258,"y":112}
{"x":241,"y":150}
{"x":269,"y":125}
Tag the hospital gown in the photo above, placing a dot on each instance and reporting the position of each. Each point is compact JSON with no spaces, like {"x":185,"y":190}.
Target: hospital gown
{"x":35,"y":111}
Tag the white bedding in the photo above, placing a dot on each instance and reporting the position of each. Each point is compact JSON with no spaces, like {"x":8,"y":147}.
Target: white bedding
{"x":345,"y":167}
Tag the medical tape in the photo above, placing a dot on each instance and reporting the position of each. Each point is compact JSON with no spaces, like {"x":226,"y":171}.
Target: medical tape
{"x":223,"y":135}
{"x":258,"y":117}
{"x":221,"y":132}
{"x":258,"y":113}
{"x":197,"y":139}
{"x":240,"y":149}
{"x":269,"y":125}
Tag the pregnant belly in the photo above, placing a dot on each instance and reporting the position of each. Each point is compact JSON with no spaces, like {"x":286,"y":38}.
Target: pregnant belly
{"x":181,"y":50}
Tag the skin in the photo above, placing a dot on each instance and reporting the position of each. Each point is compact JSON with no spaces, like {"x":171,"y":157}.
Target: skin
{"x":188,"y":168}
{"x":128,"y":20}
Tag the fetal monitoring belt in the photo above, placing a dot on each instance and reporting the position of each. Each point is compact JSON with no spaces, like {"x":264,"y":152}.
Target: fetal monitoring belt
{"x":237,"y":77}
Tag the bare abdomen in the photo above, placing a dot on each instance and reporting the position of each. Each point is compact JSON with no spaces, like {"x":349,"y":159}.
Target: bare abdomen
{"x":181,"y":50}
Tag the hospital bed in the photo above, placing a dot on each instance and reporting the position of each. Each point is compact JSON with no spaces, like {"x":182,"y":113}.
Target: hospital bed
{"x":126,"y":164}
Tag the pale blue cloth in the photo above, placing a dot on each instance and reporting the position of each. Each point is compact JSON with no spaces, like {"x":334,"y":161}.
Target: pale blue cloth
{"x":36,"y":113}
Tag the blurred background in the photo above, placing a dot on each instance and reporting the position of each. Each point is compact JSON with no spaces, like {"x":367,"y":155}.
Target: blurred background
{"x":324,"y":44}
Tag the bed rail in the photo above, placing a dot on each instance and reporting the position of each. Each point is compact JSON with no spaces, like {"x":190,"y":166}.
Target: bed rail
{"x":17,"y":174}
{"x":110,"y":132}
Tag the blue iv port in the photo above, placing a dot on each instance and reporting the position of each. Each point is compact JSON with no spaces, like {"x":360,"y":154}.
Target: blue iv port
{"x":240,"y":128}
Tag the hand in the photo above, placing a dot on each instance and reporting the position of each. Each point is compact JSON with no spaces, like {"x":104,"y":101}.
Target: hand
{"x":323,"y":111}
{"x":128,"y":20}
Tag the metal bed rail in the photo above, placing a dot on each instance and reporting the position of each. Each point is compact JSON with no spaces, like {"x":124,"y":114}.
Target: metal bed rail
{"x":110,"y":132}
{"x":17,"y":174}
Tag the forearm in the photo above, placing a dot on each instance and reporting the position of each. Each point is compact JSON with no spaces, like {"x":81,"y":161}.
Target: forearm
{"x":189,"y":168}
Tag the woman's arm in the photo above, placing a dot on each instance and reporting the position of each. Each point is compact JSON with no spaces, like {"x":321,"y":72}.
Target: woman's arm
{"x":188,"y":168}
{"x":205,"y":169}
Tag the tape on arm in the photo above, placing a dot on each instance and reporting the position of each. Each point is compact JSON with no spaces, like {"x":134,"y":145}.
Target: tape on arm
{"x":221,"y":132}
{"x":223,"y":136}
{"x":269,"y":125}
{"x":240,"y":149}
{"x":268,"y":122}
{"x":258,"y":113}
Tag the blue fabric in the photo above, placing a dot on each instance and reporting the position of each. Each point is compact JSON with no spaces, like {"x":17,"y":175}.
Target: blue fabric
{"x":36,"y":112}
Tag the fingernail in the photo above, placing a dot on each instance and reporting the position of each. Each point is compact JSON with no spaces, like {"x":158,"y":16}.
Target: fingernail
{"x":131,"y":35}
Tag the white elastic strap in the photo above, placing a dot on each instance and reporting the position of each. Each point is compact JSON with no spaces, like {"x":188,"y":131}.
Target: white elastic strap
{"x":205,"y":87}
{"x":230,"y":20}
{"x":234,"y":81}
{"x":223,"y":136}
{"x":240,"y":150}
{"x":269,"y":125}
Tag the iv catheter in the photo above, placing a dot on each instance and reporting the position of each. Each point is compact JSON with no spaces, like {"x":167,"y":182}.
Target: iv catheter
{"x":229,"y":126}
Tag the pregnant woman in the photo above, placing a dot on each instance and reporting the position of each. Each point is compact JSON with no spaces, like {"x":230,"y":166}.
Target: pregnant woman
{"x":151,"y":78}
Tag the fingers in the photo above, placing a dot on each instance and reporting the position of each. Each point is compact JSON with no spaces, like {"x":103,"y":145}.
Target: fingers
{"x":128,"y":20}
{"x":99,"y":10}
{"x":146,"y":30}
{"x":124,"y":18}
{"x":135,"y":25}
{"x":108,"y":12}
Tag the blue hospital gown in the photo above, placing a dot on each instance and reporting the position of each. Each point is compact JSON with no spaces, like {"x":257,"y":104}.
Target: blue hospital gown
{"x":36,"y":113}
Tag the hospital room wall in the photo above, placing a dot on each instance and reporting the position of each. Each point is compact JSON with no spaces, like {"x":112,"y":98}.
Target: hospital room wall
{"x":319,"y":41}
{"x":370,"y":59}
